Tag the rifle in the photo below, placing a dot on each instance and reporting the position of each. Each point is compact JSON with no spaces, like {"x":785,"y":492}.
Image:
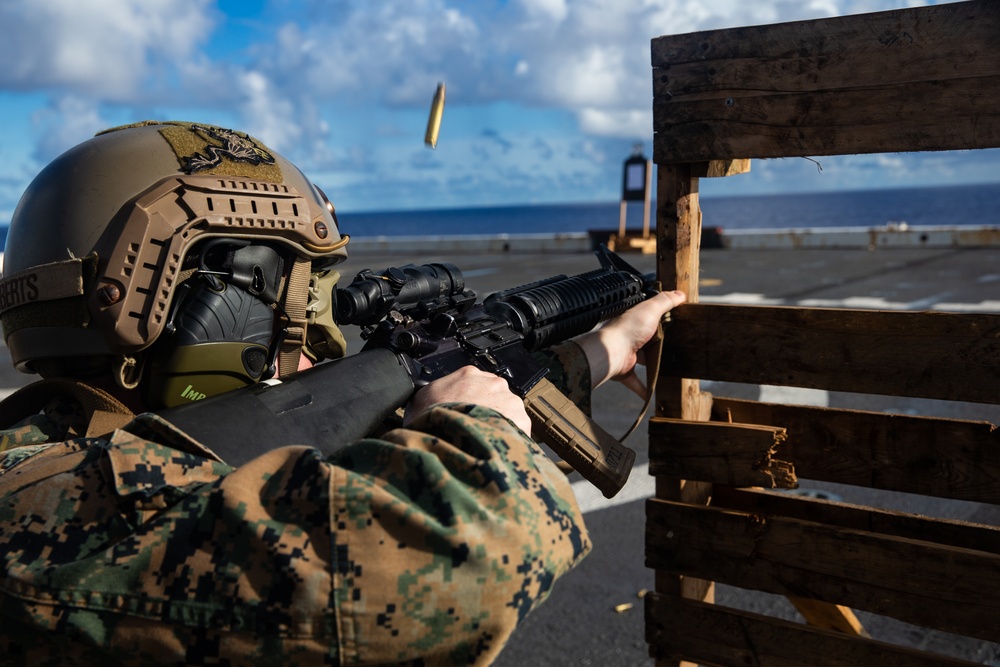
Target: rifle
{"x":419,"y":324}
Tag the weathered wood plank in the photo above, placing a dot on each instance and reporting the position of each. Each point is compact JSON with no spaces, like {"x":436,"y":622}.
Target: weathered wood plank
{"x":945,"y":458}
{"x":678,"y":225}
{"x":921,"y":79}
{"x":734,"y":454}
{"x":931,"y":355}
{"x":950,"y":532}
{"x":941,"y":43}
{"x":949,"y":115}
{"x":928,"y":42}
{"x":937,"y":586}
{"x":709,"y":634}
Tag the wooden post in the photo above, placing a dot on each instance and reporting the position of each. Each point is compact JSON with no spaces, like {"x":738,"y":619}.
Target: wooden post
{"x":678,"y":224}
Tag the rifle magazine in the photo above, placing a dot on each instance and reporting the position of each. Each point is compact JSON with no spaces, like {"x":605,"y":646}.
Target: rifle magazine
{"x":577,"y":439}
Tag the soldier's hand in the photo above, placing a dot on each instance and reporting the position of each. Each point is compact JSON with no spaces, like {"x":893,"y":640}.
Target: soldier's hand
{"x":471,"y":385}
{"x":614,"y":349}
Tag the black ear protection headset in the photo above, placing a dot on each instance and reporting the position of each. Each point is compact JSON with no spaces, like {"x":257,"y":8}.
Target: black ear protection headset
{"x":221,"y":333}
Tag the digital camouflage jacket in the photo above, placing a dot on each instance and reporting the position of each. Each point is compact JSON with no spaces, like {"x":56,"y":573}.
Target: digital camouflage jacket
{"x":427,"y":545}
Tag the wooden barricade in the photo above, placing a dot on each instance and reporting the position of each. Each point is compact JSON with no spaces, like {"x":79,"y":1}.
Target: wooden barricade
{"x":908,"y":80}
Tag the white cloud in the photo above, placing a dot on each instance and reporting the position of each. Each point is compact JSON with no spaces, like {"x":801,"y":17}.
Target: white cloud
{"x":549,"y":10}
{"x":266,"y":113}
{"x":392,"y":52}
{"x":634,"y":123}
{"x":588,"y":56}
{"x":595,"y":77}
{"x":106,"y":48}
{"x":302,"y":73}
{"x":592,"y":58}
{"x":69,"y":120}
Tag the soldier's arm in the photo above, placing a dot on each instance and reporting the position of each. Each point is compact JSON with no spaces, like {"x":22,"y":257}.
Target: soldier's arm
{"x":463,"y":526}
{"x":432,"y":543}
{"x":579,"y":366}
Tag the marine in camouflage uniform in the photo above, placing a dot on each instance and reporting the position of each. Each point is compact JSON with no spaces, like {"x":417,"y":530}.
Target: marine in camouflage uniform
{"x":137,"y":544}
{"x":428,"y":545}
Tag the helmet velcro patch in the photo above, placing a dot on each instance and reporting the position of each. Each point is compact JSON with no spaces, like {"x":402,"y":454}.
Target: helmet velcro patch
{"x":208,"y":149}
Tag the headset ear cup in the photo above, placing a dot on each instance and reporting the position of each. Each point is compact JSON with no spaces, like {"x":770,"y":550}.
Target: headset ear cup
{"x":219,"y":340}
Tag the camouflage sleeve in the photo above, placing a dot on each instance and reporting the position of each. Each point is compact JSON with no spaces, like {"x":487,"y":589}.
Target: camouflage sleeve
{"x":427,"y":545}
{"x":33,"y":430}
{"x":569,"y":372}
{"x":465,"y":549}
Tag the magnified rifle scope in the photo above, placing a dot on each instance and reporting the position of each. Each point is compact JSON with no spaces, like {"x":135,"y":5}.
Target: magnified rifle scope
{"x":545,"y":312}
{"x":414,"y":290}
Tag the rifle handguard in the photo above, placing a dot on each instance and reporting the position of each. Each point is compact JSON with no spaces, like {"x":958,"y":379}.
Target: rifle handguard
{"x":592,"y":451}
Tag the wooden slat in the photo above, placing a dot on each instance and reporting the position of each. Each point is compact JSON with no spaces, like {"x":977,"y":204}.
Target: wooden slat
{"x":832,"y":123}
{"x":734,"y":454}
{"x":945,"y":458}
{"x":933,"y":585}
{"x":930,"y":355}
{"x":709,"y":634}
{"x":678,"y":235}
{"x":937,"y":586}
{"x":922,"y":79}
{"x":949,"y":532}
{"x":678,"y":225}
{"x":877,"y":48}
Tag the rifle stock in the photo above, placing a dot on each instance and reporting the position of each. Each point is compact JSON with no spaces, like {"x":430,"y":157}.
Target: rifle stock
{"x":327,"y":407}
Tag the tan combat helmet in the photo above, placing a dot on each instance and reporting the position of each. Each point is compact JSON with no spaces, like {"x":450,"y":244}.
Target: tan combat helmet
{"x":100,"y":242}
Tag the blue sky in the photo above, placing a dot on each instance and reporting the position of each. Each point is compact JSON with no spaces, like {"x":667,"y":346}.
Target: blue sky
{"x":545,"y":97}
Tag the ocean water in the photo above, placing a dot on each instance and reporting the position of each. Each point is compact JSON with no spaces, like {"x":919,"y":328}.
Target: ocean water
{"x":957,"y":205}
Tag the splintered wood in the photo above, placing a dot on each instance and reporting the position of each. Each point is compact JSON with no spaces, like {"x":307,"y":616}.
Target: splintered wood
{"x":733,"y":454}
{"x":945,"y":458}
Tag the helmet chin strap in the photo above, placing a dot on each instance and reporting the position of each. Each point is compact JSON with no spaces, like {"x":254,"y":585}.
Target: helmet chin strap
{"x":296,"y":298}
